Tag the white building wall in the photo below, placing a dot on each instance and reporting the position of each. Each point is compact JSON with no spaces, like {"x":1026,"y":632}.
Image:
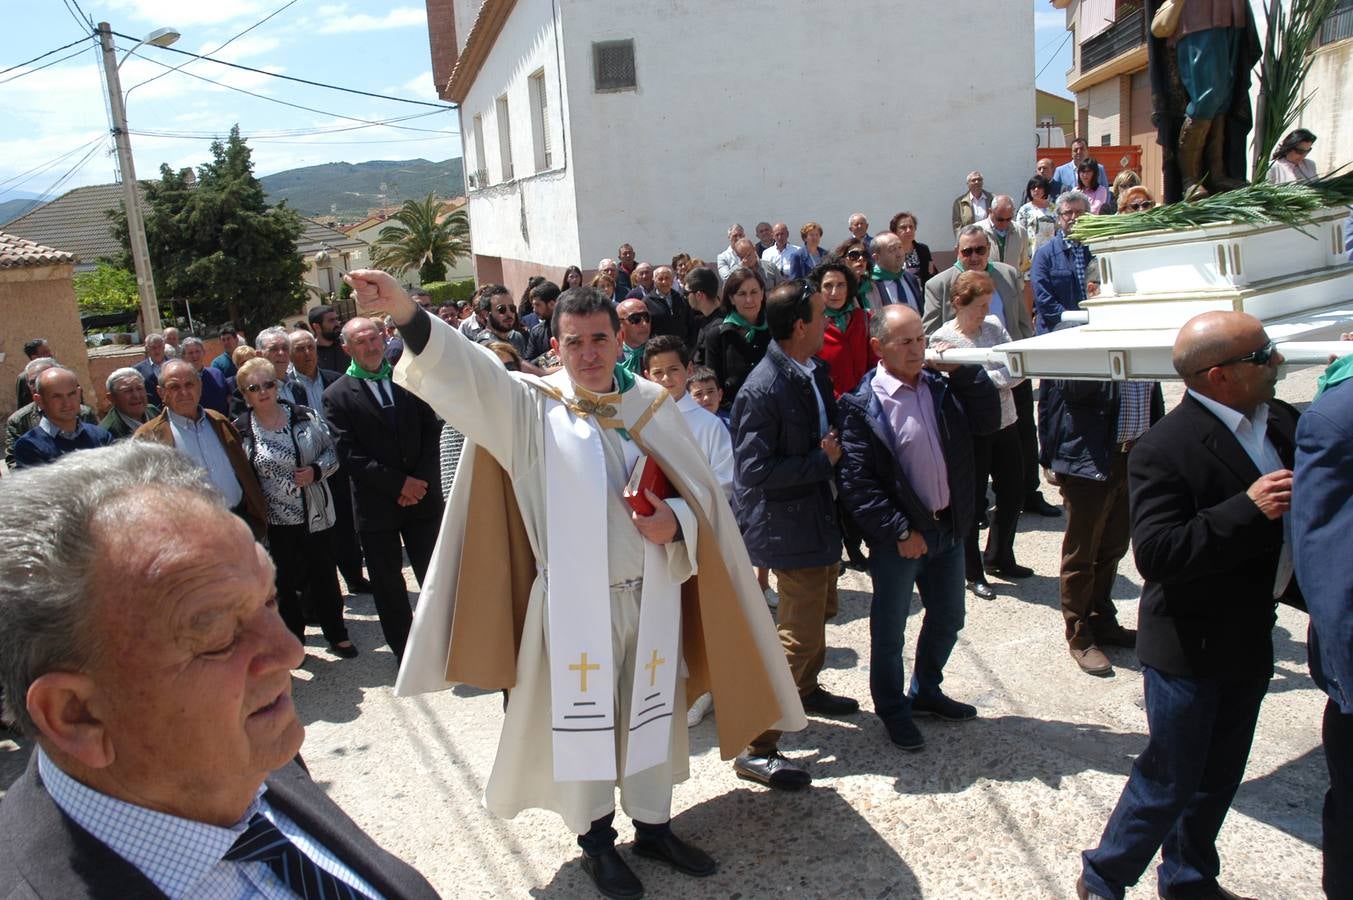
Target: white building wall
{"x":863,"y":112}
{"x":465,"y":13}
{"x":1103,"y":105}
{"x":533,"y":216}
{"x":1329,"y":85}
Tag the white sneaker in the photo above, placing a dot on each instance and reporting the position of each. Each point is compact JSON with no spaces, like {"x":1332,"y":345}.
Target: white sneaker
{"x":772,"y":598}
{"x":699,"y":710}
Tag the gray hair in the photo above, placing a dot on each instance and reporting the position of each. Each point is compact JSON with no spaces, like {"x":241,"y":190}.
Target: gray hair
{"x":299,"y":334}
{"x":1002,"y":200}
{"x":1066,"y":198}
{"x":49,"y":562}
{"x":267,"y":334}
{"x":192,"y":342}
{"x":119,"y":374}
{"x":970,"y":230}
{"x":154,"y":338}
{"x":35,"y":368}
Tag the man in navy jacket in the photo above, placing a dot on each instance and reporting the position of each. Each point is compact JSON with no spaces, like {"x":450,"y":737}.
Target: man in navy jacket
{"x":785,"y":450}
{"x":907,"y":478}
{"x":1322,"y":519}
{"x":1059,"y":268}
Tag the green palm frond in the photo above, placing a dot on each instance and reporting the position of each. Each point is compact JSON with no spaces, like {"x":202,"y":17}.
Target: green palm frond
{"x":415,"y":238}
{"x":1294,"y":204}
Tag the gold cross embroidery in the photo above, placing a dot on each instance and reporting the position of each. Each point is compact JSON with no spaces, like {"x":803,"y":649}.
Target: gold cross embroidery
{"x":652,"y":667}
{"x":600,"y":406}
{"x":582,"y":666}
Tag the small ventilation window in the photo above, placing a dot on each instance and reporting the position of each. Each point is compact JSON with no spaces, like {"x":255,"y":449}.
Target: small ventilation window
{"x":613,"y":66}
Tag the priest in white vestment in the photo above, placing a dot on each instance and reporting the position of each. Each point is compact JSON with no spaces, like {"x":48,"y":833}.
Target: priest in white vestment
{"x":597,"y":690}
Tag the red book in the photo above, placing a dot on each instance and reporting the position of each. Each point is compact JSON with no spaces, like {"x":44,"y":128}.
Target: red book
{"x":646,"y":475}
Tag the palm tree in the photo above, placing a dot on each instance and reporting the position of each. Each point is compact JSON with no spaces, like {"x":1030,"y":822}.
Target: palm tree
{"x":415,"y":239}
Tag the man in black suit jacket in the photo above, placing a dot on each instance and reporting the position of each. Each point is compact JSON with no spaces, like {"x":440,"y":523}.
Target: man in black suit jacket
{"x":390,"y":449}
{"x":176,"y":700}
{"x":1210,"y":485}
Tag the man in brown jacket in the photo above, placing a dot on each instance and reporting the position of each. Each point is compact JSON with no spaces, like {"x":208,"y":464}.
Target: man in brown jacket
{"x":208,"y":439}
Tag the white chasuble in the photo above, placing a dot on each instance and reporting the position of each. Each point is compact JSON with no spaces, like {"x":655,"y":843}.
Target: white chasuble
{"x":583,"y":677}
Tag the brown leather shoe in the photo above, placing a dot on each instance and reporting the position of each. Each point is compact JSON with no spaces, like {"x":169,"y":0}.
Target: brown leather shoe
{"x":1092,"y":661}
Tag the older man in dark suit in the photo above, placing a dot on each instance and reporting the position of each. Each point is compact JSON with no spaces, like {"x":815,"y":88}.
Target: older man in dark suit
{"x":155,"y":677}
{"x":388,"y":442}
{"x":1210,"y":487}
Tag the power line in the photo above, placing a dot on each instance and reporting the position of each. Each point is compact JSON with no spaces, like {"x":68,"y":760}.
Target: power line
{"x":320,"y":84}
{"x":81,"y":20}
{"x":44,"y":66}
{"x":44,"y":56}
{"x":23,"y":177}
{"x":56,"y":185}
{"x":234,"y":38}
{"x":311,"y":109}
{"x":1054,"y":55}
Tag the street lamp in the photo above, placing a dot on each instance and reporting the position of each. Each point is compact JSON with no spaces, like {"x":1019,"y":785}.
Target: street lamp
{"x":136,"y":226}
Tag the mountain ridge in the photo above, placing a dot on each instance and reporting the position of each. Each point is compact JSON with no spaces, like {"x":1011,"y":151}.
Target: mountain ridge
{"x":349,"y":190}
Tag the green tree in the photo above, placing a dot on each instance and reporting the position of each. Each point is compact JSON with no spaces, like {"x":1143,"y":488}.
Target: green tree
{"x":217,"y":243}
{"x":108,"y":289}
{"x":417,"y":240}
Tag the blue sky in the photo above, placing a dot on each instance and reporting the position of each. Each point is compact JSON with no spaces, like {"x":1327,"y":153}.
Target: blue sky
{"x":55,"y":120}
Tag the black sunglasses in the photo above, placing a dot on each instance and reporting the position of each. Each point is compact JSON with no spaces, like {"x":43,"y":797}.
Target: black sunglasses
{"x":636,"y":318}
{"x":1141,"y":205}
{"x":1259,"y":357}
{"x":504,"y":309}
{"x":261,"y":386}
{"x":974,"y":251}
{"x":855,"y":254}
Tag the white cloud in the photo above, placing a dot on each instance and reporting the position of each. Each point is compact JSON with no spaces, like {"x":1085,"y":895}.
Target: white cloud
{"x":176,"y":13}
{"x":244,"y":48}
{"x":1049,"y":19}
{"x":337,"y":19}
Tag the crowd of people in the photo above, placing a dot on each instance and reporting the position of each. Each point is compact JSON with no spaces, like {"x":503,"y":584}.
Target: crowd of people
{"x":801,"y":428}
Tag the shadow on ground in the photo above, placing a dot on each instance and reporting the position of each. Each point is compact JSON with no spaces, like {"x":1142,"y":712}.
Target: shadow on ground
{"x":786,"y":844}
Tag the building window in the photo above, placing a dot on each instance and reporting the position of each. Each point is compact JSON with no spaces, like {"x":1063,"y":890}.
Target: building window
{"x":1338,"y":26}
{"x":540,"y":124}
{"x":613,"y":66}
{"x":504,"y":138}
{"x":480,"y":176}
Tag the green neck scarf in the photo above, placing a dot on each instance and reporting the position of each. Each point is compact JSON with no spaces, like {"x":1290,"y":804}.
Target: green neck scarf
{"x":958,"y":264}
{"x":839,"y":317}
{"x":624,"y":378}
{"x":380,"y":374}
{"x":735,"y":318}
{"x":882,"y":274}
{"x":1338,"y":371}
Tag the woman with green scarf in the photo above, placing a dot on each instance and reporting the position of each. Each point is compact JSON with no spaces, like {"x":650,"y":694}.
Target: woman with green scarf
{"x":734,"y":344}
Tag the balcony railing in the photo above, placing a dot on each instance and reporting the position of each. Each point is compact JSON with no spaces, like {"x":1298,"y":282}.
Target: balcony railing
{"x":1123,"y":35}
{"x":1338,"y":26}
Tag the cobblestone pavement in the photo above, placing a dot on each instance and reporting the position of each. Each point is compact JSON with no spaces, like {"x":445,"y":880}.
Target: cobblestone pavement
{"x":997,"y":807}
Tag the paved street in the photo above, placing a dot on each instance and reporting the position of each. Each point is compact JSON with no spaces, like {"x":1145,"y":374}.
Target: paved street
{"x":998,"y":807}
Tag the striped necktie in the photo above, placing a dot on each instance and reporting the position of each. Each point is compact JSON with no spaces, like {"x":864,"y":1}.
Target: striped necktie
{"x":262,"y":842}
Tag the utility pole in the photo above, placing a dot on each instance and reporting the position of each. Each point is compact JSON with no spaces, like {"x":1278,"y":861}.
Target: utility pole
{"x":136,"y":226}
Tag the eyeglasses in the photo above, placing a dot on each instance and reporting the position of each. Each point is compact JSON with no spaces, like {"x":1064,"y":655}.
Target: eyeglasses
{"x":1303,"y":150}
{"x":500,"y":309}
{"x":261,"y":386}
{"x":1141,"y":205}
{"x":1002,"y":218}
{"x":637,"y":318}
{"x":974,"y":251}
{"x":855,"y":254}
{"x":1259,"y":357}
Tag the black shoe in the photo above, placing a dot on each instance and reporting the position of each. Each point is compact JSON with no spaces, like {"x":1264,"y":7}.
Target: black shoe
{"x":347,"y":652}
{"x":942,"y":707}
{"x":1217,"y":893}
{"x":1036,"y":504}
{"x":358,"y":586}
{"x":613,"y":876}
{"x":772,"y":770}
{"x":1115,"y":635}
{"x":982,"y":590}
{"x":1009,"y":570}
{"x":827,"y":704}
{"x":905,"y":734}
{"x":685,"y":858}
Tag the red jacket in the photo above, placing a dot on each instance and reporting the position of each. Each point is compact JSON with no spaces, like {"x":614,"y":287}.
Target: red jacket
{"x":848,"y":354}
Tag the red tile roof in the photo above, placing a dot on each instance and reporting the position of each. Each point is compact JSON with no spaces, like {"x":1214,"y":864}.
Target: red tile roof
{"x":17,"y":253}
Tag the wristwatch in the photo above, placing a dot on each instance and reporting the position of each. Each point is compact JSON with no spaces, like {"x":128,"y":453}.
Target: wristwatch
{"x":905,"y":535}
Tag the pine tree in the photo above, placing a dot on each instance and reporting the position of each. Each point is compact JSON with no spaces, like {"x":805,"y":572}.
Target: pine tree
{"x":218,"y":244}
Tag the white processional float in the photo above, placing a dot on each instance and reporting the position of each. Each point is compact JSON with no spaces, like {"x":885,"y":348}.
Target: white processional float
{"x":1297,"y":280}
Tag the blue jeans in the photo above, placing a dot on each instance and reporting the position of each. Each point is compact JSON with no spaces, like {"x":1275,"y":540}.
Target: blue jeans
{"x":1181,"y":787}
{"x":938,"y":575}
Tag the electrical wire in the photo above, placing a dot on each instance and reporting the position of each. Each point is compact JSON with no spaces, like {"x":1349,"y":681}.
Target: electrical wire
{"x":85,"y":23}
{"x":44,"y":56}
{"x":320,"y":84}
{"x":1054,"y":55}
{"x":296,"y":132}
{"x":43,"y":66}
{"x":70,"y":173}
{"x":234,"y":38}
{"x":15,"y":181}
{"x":229,"y":87}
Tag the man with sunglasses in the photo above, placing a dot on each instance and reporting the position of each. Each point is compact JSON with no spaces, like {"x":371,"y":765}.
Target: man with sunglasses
{"x":1211,"y":486}
{"x":636,"y":324}
{"x":1009,"y":243}
{"x":500,"y":316}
